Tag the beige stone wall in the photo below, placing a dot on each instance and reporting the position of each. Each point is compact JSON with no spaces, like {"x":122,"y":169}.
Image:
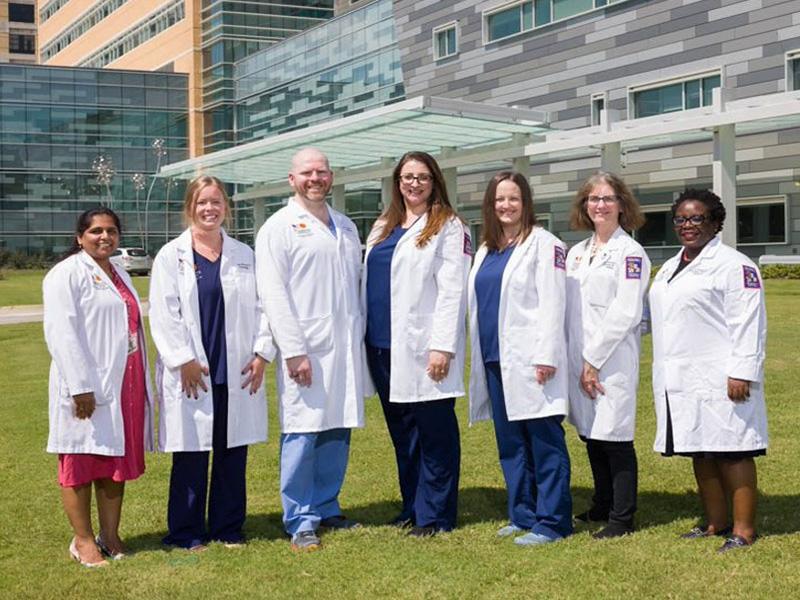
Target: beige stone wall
{"x":178,"y":48}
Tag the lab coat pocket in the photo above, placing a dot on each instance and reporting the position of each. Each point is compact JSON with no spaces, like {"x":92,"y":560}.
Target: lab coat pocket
{"x":419,"y":332}
{"x":318,"y":332}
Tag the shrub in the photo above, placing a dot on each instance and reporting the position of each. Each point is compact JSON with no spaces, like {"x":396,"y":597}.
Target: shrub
{"x":780,"y":272}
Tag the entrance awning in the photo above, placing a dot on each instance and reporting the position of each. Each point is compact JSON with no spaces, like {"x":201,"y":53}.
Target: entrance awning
{"x":366,"y":146}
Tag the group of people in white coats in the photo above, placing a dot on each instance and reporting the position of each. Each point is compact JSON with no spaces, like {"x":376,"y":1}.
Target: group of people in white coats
{"x":554,"y":334}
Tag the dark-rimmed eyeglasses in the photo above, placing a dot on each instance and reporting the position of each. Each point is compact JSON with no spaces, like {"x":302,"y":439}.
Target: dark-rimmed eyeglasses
{"x":695,"y":220}
{"x":599,"y":199}
{"x":422,"y":178}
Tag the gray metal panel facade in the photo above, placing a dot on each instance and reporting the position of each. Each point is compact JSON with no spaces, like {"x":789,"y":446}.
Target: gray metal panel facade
{"x":557,"y":68}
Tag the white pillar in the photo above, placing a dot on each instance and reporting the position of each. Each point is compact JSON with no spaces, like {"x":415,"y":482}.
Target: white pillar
{"x":258,"y":214}
{"x":611,"y":158}
{"x":450,"y":177}
{"x":338,"y":199}
{"x":386,"y":182}
{"x":522,"y":164}
{"x":724,"y":170}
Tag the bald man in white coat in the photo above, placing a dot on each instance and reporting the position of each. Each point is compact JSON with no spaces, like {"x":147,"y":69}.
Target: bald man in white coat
{"x":308,"y":259}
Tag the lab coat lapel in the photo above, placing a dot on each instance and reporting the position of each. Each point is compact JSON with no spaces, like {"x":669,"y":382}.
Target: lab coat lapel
{"x":708,"y":252}
{"x":187,"y":279}
{"x":98,"y":274}
{"x":413,"y":231}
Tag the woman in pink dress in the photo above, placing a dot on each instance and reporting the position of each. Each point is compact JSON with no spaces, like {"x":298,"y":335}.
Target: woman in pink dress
{"x":100,"y":404}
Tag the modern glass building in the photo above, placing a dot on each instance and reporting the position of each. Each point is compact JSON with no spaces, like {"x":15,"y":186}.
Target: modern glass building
{"x":345,"y":66}
{"x":57,"y":122}
{"x":232,"y":31}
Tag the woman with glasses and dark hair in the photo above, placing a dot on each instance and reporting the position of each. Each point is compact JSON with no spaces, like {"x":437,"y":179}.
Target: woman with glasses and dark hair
{"x":709,"y":339}
{"x":607,"y":278}
{"x":519,"y":364}
{"x":416,"y":266}
{"x":101,"y":407}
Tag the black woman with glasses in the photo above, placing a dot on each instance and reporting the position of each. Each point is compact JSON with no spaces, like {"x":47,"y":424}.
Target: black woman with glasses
{"x":709,"y":338}
{"x":607,"y":278}
{"x":413,"y":290}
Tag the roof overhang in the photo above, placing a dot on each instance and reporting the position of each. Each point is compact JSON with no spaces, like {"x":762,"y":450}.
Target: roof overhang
{"x":758,"y":114}
{"x":367,"y":145}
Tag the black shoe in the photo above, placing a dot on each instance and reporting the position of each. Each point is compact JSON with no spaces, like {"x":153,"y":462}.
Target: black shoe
{"x":339,"y":522}
{"x":593,"y":515}
{"x":401,"y":523}
{"x":613,"y":530}
{"x":734,"y":542}
{"x":418,"y":531}
{"x":702,"y":532}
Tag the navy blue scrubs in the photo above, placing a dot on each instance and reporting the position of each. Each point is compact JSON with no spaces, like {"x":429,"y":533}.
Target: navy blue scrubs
{"x":424,"y":434}
{"x":227,"y":500}
{"x":531,"y":451}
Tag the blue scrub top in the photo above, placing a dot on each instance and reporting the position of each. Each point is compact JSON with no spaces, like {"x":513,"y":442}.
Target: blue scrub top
{"x":331,"y":225}
{"x":212,"y":316}
{"x":379,"y":291}
{"x":488,"y":281}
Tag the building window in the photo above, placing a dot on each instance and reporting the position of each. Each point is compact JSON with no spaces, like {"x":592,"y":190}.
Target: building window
{"x":21,"y":13}
{"x":598,"y":106}
{"x":761,"y":221}
{"x":758,"y":221}
{"x":793,"y":71}
{"x":518,"y":17}
{"x":445,"y":42}
{"x":22,"y":43}
{"x":675,"y":96}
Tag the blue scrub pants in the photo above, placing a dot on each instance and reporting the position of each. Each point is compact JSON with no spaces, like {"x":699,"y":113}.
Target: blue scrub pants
{"x":188,"y":487}
{"x":535,"y":462}
{"x":313,"y":466}
{"x":427,"y":447}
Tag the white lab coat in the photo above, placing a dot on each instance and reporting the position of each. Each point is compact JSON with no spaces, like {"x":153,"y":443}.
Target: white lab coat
{"x":186,"y":424}
{"x":709,"y":324}
{"x":605,"y":299}
{"x":530,"y":331}
{"x":308,"y":280}
{"x":86,"y":329}
{"x":428,"y":309}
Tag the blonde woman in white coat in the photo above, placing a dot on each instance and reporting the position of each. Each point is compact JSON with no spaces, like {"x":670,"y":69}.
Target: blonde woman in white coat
{"x":519,"y":364}
{"x":607,"y":277}
{"x":416,"y":266}
{"x":213,"y":343}
{"x":709,"y":342}
{"x":101,"y":407}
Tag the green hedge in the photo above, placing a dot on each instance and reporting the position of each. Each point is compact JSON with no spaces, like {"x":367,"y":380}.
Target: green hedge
{"x":767,"y":271}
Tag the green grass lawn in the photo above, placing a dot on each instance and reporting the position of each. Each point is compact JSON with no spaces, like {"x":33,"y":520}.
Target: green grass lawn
{"x":21,"y":288}
{"x":380,"y":562}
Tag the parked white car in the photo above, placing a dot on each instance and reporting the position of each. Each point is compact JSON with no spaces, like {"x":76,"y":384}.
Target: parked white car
{"x":134,"y":260}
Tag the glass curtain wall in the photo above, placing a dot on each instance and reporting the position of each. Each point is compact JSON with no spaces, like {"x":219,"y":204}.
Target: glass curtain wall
{"x":233,"y":31}
{"x":54,"y":124}
{"x":344,"y":67}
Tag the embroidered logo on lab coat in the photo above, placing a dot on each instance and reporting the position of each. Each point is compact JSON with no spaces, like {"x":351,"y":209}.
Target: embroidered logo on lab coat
{"x":302,"y":229}
{"x":559,"y":258}
{"x":751,"y":279}
{"x":98,"y":283}
{"x":633,"y":267}
{"x":467,"y":244}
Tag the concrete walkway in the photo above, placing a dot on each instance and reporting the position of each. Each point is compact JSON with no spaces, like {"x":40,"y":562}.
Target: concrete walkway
{"x":10,"y":315}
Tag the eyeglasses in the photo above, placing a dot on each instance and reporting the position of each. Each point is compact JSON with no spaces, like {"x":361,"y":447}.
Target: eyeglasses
{"x":696,"y":220}
{"x":422,"y":178}
{"x":599,"y":199}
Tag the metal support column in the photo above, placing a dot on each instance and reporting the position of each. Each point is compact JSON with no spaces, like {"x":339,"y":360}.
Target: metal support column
{"x":386,"y":183}
{"x":338,"y":199}
{"x":724,"y":171}
{"x":611,"y":158}
{"x":450,"y":177}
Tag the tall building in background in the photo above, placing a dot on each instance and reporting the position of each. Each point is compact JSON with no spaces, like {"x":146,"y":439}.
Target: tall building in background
{"x":18,"y":32}
{"x":202,"y":38}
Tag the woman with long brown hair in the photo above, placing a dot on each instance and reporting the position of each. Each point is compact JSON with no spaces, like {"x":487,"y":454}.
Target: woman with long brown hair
{"x":416,"y":265}
{"x":518,"y":372}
